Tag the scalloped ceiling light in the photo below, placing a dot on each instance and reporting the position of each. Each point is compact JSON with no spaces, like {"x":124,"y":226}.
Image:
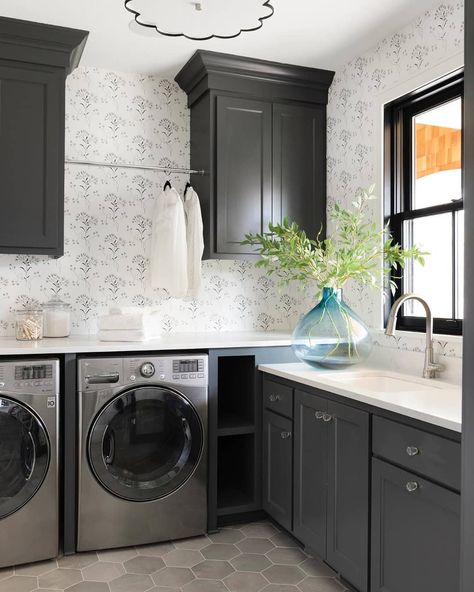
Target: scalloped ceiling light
{"x":199,"y":20}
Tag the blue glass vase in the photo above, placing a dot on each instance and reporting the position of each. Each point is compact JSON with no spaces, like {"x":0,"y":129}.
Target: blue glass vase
{"x":331,"y":334}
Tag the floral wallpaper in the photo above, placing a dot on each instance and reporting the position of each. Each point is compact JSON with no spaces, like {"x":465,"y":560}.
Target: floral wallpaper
{"x":117,"y":117}
{"x":429,"y":40}
{"x":142,"y":119}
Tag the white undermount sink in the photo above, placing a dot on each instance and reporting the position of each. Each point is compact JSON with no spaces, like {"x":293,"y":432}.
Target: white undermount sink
{"x":373,"y":381}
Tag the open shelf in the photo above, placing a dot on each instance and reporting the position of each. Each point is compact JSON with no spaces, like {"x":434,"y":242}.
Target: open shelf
{"x":236,"y":473}
{"x":236,"y":399}
{"x":232,"y":424}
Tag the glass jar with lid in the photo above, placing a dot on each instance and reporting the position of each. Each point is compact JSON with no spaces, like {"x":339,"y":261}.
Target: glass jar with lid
{"x":57,"y":318}
{"x":29,"y":324}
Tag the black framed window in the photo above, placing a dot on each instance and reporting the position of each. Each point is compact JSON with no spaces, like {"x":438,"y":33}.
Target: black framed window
{"x":424,"y":201}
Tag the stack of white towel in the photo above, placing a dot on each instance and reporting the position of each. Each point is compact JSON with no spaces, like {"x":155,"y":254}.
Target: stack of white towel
{"x":129,"y":324}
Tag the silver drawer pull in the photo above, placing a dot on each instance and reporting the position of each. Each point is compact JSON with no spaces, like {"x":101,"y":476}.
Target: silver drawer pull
{"x":327,"y":417}
{"x":413,"y":450}
{"x":285,"y":435}
{"x":411,"y":486}
{"x":274,"y":398}
{"x":319,"y":414}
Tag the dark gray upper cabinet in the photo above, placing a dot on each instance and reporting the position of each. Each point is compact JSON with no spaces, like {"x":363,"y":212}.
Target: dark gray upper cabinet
{"x":299,"y":165}
{"x":34,"y":62}
{"x":258,"y":129}
{"x":244,"y":169}
{"x":415,"y":533}
{"x":310,"y":472}
{"x":348,"y":493}
{"x":277,"y":473}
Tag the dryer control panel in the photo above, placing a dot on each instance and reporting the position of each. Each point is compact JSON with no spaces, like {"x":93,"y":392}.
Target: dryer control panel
{"x":185,"y":370}
{"x":30,"y":377}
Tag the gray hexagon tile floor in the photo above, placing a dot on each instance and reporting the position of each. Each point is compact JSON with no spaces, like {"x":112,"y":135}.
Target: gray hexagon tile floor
{"x":254,"y":557}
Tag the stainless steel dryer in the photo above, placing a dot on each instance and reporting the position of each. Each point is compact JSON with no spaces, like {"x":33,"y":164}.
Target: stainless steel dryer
{"x":142,"y":450}
{"x":29,"y":403}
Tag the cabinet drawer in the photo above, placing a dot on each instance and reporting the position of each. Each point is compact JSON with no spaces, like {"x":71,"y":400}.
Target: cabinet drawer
{"x":278,"y":397}
{"x":432,"y":456}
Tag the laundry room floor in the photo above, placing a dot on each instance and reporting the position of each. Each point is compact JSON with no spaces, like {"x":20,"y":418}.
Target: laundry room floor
{"x":254,"y":557}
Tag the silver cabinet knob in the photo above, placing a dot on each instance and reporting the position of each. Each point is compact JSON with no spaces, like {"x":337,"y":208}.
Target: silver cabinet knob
{"x":327,"y":417}
{"x":413,"y":450}
{"x":319,"y":414}
{"x":411,"y":486}
{"x":285,"y":435}
{"x":274,"y":398}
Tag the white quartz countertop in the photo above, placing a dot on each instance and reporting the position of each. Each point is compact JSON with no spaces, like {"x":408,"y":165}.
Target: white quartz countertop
{"x":176,"y":341}
{"x":432,"y":401}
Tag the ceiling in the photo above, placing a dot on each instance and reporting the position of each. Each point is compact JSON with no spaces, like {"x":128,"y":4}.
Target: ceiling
{"x":318,"y":33}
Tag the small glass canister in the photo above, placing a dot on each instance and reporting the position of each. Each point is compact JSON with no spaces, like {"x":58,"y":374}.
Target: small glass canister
{"x":29,"y":324}
{"x":57,"y":318}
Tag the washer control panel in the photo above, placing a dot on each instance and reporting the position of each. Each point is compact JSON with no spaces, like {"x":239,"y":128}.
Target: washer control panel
{"x":30,"y":377}
{"x":187,"y":370}
{"x":147,"y":370}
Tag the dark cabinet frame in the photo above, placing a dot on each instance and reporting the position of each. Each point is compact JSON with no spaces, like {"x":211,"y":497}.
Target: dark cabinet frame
{"x":34,"y":62}
{"x":212,"y":80}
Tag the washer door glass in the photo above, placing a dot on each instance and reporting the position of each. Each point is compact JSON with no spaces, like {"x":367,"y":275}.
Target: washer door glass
{"x":24,"y":455}
{"x":145,"y":443}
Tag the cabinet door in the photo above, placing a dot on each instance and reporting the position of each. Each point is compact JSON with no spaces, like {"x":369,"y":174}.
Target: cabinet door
{"x":244,"y":165}
{"x":310,"y":472}
{"x":277,"y":467}
{"x":31,"y":159}
{"x":299,"y":165}
{"x":415,"y":534}
{"x":348,"y":494}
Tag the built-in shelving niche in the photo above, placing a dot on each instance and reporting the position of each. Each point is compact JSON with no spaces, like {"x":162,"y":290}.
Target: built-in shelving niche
{"x":236,"y":403}
{"x":236,"y":474}
{"x":236,"y":432}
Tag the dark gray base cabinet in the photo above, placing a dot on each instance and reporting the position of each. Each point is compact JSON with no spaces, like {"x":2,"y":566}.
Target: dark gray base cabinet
{"x":357,"y":474}
{"x":328,"y":466}
{"x":310,"y":472}
{"x":277,"y":474}
{"x":331,"y":484}
{"x":415,"y":533}
{"x":347,"y":546}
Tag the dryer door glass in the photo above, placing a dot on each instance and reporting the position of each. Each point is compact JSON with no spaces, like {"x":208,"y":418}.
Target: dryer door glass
{"x":145,"y":443}
{"x":24,"y":455}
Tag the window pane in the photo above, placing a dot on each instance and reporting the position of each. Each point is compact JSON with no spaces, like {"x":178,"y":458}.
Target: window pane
{"x":460,"y":265}
{"x":437,"y":155}
{"x":433,"y":281}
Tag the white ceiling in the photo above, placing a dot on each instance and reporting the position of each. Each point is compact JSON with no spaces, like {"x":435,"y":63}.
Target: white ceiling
{"x":318,"y":33}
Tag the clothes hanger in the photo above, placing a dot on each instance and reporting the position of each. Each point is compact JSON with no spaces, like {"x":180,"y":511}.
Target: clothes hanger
{"x":167,"y":185}
{"x":188,"y":185}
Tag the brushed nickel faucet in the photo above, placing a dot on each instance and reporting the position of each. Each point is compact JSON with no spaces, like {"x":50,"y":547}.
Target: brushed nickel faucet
{"x":430,"y":367}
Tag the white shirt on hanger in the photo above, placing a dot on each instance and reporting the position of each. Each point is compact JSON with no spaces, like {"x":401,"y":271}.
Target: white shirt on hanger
{"x":169,"y":255}
{"x":195,"y":240}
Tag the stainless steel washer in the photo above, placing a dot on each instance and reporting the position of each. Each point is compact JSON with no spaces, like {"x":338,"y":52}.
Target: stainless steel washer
{"x":29,"y":406}
{"x":142,"y":450}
